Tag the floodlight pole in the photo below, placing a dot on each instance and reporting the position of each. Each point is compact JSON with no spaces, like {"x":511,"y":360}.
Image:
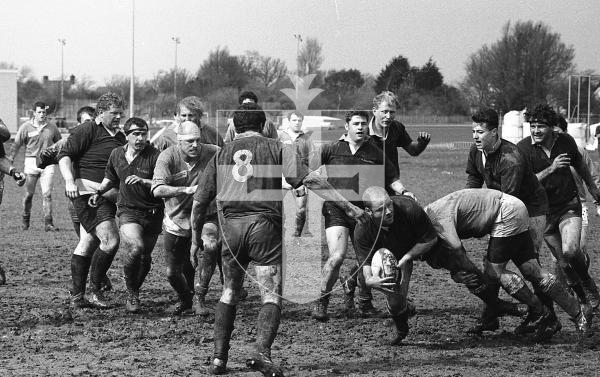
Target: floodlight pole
{"x":298,"y":41}
{"x":132,"y":79}
{"x":62,"y":42}
{"x":177,"y":41}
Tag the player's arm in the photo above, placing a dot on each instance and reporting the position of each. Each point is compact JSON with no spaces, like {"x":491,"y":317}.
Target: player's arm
{"x":77,"y":143}
{"x":474,"y":177}
{"x":20,"y":139}
{"x":511,"y":176}
{"x":414,"y":148}
{"x":66,"y":169}
{"x":321,"y":186}
{"x":584,"y":172}
{"x":205,"y":194}
{"x":417,"y":251}
{"x":561,"y":161}
{"x":104,"y":190}
{"x":161,"y":181}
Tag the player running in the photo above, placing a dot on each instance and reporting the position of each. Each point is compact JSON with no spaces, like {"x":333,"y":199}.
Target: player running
{"x":140,"y":214}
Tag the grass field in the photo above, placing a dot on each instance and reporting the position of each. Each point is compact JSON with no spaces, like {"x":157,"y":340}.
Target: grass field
{"x":40,"y":336}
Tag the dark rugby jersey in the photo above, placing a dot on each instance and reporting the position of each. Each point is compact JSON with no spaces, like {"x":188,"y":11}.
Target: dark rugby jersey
{"x":411,"y":226}
{"x":560,"y":186}
{"x":136,"y":196}
{"x":2,"y":151}
{"x":89,"y":147}
{"x":396,"y":137}
{"x":245,"y":176}
{"x":507,"y":169}
{"x":351,"y":174}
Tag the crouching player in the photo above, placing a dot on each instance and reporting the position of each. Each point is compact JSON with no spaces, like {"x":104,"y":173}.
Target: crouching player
{"x":245,"y":179}
{"x":400,"y":225}
{"x":130,"y":168}
{"x":472,"y":213}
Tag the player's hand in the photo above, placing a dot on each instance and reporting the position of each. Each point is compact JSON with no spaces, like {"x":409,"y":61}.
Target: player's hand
{"x":356,"y":213}
{"x":19,"y":177}
{"x":424,"y":138}
{"x":71,"y":190}
{"x":133,"y":179}
{"x":94,"y":200}
{"x":470,"y":279}
{"x":382,"y":284}
{"x":561,"y":161}
{"x":190,"y":190}
{"x":194,"y":251}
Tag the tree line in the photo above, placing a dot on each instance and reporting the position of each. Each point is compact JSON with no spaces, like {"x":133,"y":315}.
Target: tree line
{"x":528,"y":64}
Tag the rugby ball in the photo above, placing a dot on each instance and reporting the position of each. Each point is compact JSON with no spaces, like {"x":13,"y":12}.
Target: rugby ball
{"x":384,"y":264}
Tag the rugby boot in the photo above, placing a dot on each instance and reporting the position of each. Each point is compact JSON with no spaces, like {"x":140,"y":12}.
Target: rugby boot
{"x":534,"y":320}
{"x":263,"y":363}
{"x":487,"y":322}
{"x":401,"y":322}
{"x":132,"y":304}
{"x":512,"y":309}
{"x":591,"y":293}
{"x":320,"y":309}
{"x":49,"y":225}
{"x":243,"y":294}
{"x":2,"y":276}
{"x":349,"y":287}
{"x":218,"y":367}
{"x":25,"y":225}
{"x":200,"y":306}
{"x":98,"y":300}
{"x":583,"y":322}
{"x":184,"y":306}
{"x":78,"y":301}
{"x":551,"y":327}
{"x":106,"y":285}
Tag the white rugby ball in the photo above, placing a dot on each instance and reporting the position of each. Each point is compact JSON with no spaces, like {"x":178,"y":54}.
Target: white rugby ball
{"x":384,"y":264}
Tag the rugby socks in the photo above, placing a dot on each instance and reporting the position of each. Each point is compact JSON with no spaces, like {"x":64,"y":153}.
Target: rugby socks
{"x":80,"y":267}
{"x":552,"y":288}
{"x":143,"y":270}
{"x":224,"y":323}
{"x":189,"y":272}
{"x":101,"y":262}
{"x":267,"y":324}
{"x":131,"y":266}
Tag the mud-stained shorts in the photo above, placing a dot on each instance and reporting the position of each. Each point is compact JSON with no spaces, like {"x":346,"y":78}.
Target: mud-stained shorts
{"x":253,"y":238}
{"x":90,"y":217}
{"x":150,"y":220}
{"x":518,"y":248}
{"x":571,"y":209}
{"x":512,"y":219}
{"x":334,"y":216}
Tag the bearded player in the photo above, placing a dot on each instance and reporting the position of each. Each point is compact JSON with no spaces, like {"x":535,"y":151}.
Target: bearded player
{"x":245,"y":179}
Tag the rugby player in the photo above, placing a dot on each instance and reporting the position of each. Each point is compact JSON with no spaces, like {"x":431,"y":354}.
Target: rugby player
{"x":6,"y":168}
{"x":269,"y":130}
{"x":472,"y":213}
{"x":36,"y":135}
{"x":551,"y":155}
{"x":304,"y":146}
{"x":400,"y":225}
{"x":82,"y":161}
{"x":140,"y":214}
{"x":581,"y":191}
{"x":353,"y":149}
{"x":190,"y":108}
{"x":176,"y":175}
{"x":245,"y":179}
{"x":502,"y":166}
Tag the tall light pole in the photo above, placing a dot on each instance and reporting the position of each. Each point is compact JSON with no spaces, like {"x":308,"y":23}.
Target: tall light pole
{"x":298,"y":41}
{"x":132,"y":79}
{"x":62,"y":42}
{"x":177,"y":41}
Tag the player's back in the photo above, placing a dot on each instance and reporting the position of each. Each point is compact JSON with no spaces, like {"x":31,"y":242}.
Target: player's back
{"x":249,"y":172}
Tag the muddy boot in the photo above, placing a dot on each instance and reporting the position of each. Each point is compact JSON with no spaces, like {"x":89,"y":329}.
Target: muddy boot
{"x":591,"y":293}
{"x":320,"y":309}
{"x":218,"y":367}
{"x":548,"y":327}
{"x":78,"y":301}
{"x":184,"y":306}
{"x":263,"y":363}
{"x":98,"y":300}
{"x":366,"y":309}
{"x":583,"y":322}
{"x":200,"y":306}
{"x":487,"y":322}
{"x":49,"y":224}
{"x":512,"y":309}
{"x":25,"y":225}
{"x":132,"y":304}
{"x":401,"y":322}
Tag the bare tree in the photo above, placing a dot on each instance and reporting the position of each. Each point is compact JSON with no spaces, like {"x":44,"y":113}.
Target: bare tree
{"x":310,"y":57}
{"x":264,"y":69}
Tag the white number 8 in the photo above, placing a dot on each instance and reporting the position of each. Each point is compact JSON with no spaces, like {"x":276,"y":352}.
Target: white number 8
{"x":239,"y":162}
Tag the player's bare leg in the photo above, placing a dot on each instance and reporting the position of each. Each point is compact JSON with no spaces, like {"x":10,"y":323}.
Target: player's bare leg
{"x":206,"y":266}
{"x":269,"y":279}
{"x":108,"y":234}
{"x":301,"y":213}
{"x":572,"y":281}
{"x":397,"y":305}
{"x":46,"y":184}
{"x":30,"y":183}
{"x":337,"y":243}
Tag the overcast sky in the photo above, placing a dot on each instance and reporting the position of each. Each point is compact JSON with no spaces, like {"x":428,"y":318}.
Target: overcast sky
{"x":354,"y":33}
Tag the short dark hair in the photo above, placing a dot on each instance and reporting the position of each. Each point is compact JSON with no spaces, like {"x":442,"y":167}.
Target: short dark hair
{"x":109,"y":99}
{"x":562,"y":123}
{"x":193,"y":104}
{"x":249,"y":117}
{"x":85,"y":110}
{"x":542,"y":113}
{"x":354,"y":112}
{"x":486,"y":115}
{"x":296,"y":113}
{"x":40,"y":104}
{"x":139,"y":122}
{"x":247,"y":95}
